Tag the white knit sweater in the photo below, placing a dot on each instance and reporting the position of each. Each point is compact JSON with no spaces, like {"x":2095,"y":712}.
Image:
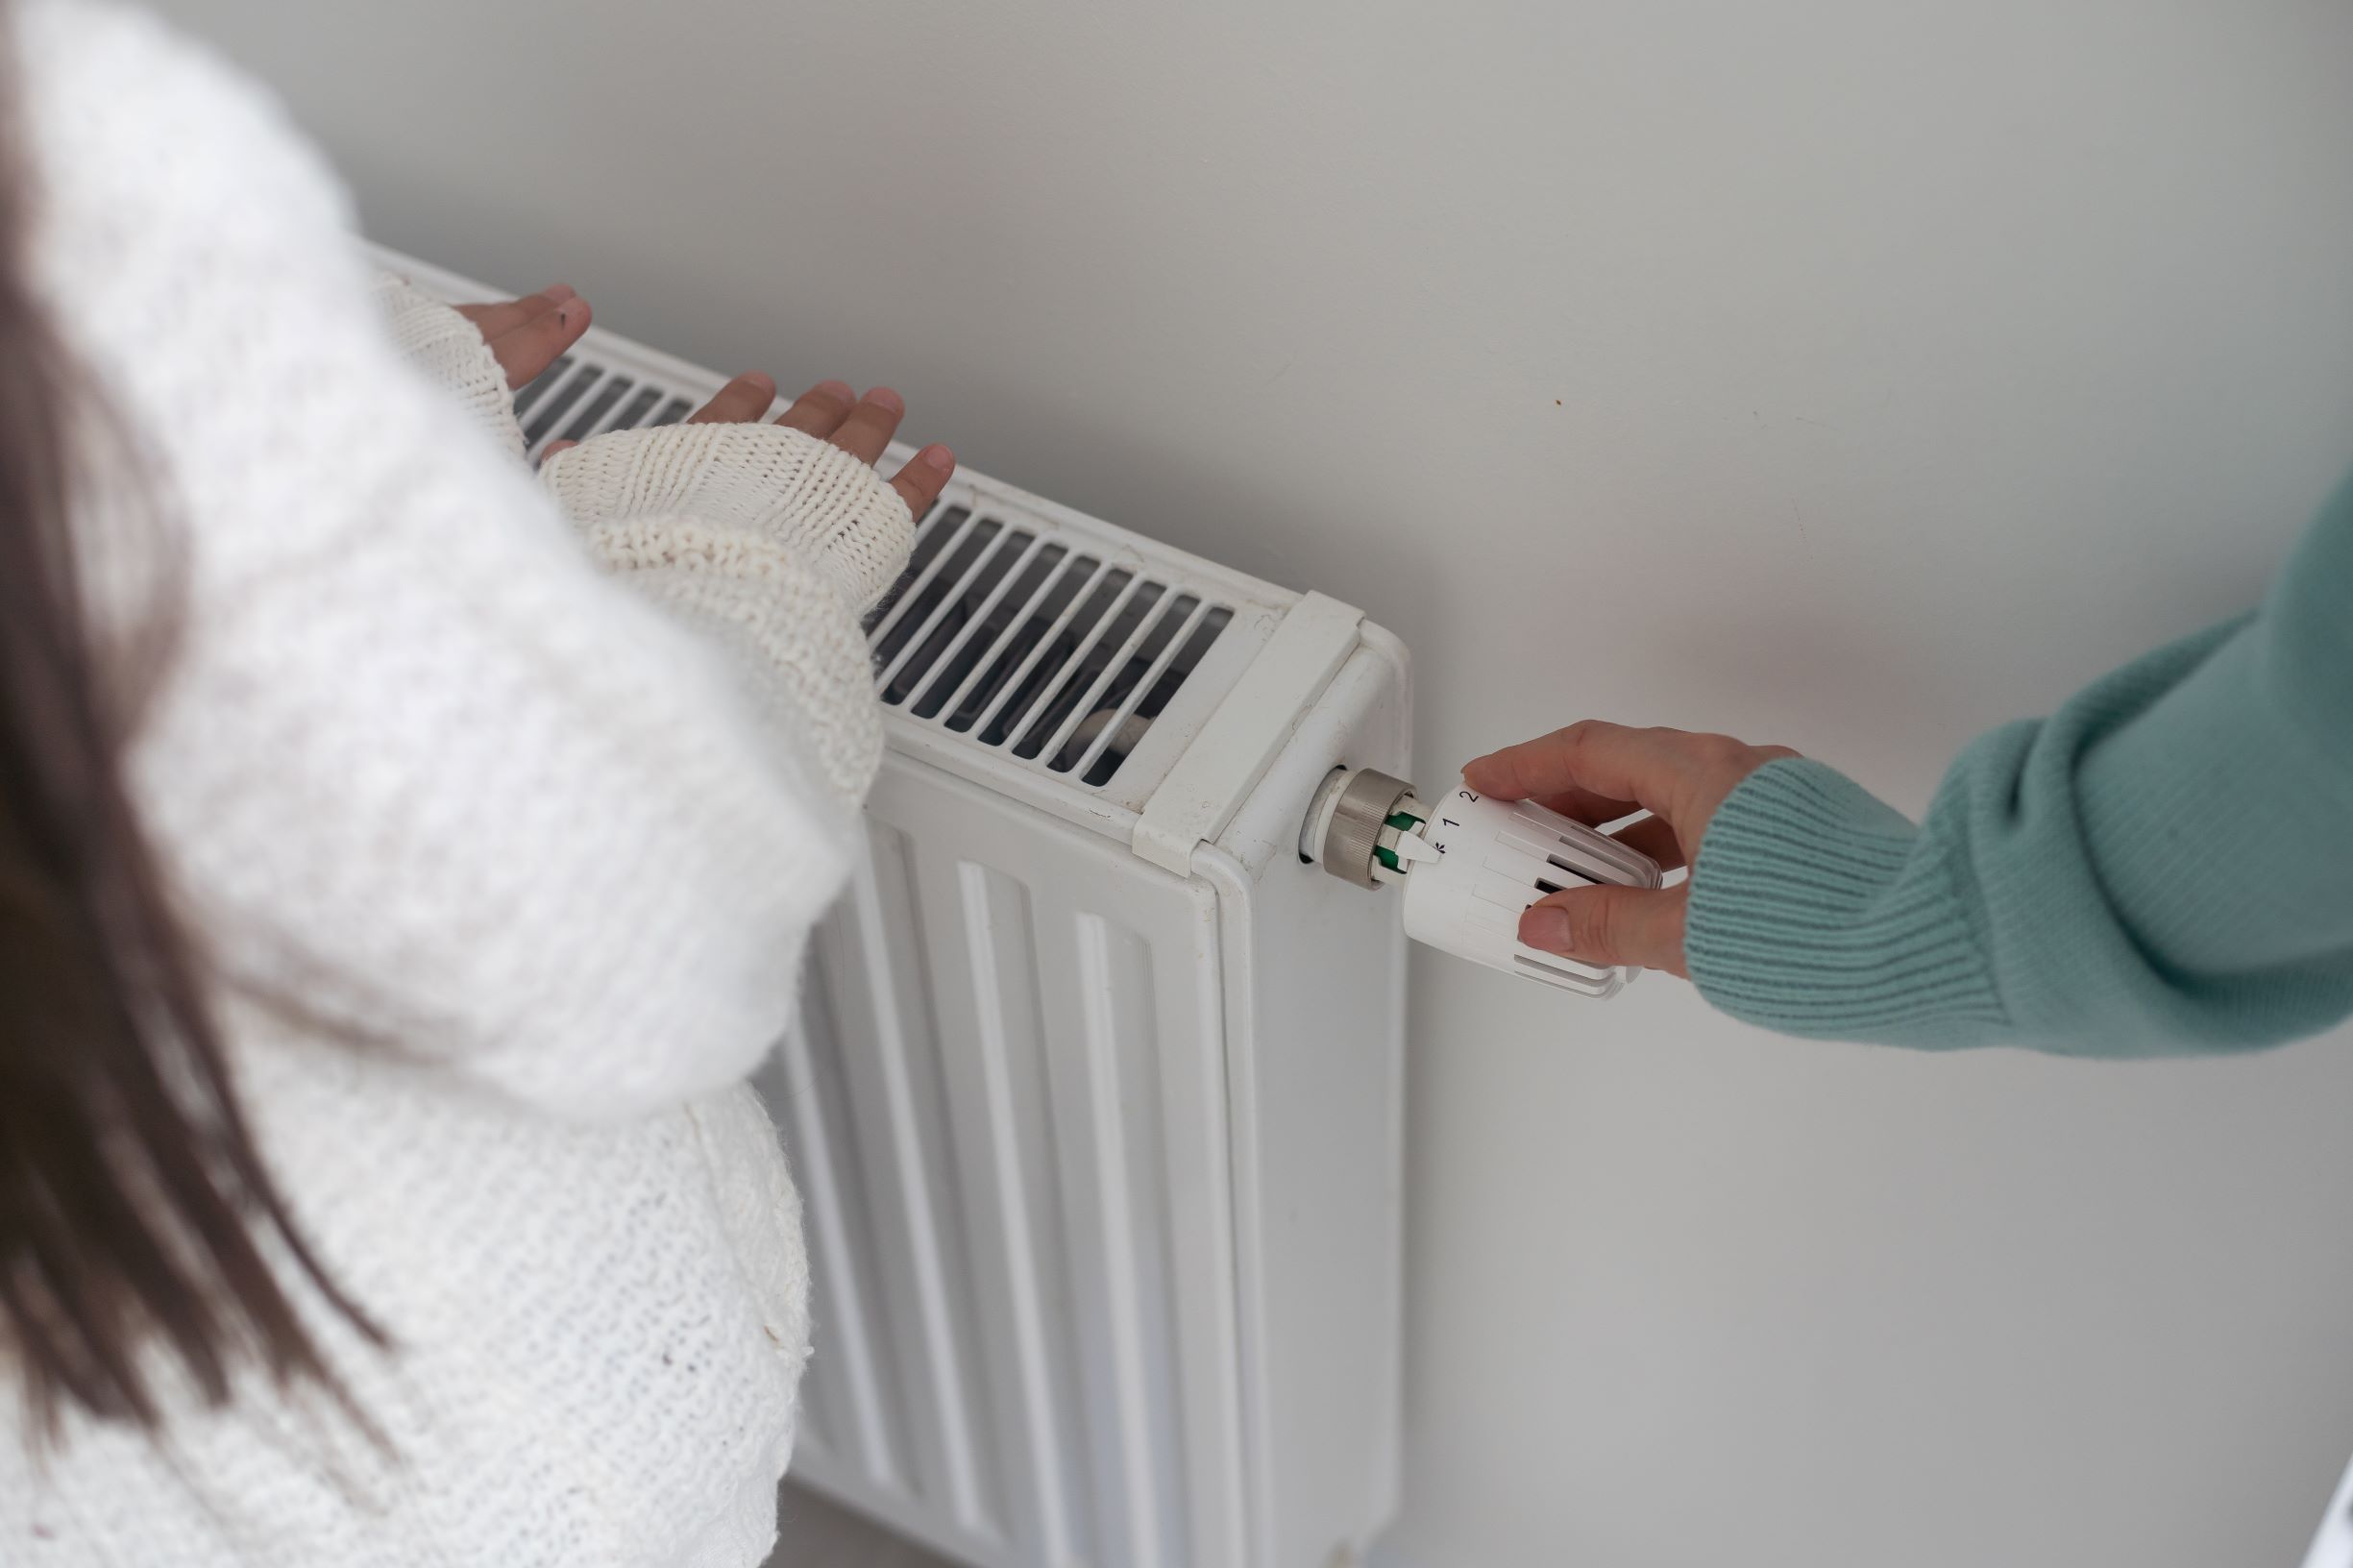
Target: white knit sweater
{"x":532,"y":851}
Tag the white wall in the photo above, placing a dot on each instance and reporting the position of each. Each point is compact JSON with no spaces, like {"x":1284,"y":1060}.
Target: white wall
{"x":1853,"y":374}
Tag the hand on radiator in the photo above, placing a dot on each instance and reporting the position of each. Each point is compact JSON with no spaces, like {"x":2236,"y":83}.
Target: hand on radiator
{"x":529,"y":335}
{"x":1598,"y":772}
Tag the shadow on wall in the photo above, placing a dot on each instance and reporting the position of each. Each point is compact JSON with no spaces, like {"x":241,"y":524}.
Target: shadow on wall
{"x":811,"y":1532}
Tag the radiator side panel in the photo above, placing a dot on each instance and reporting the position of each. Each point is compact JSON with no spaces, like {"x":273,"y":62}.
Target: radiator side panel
{"x":1315,"y":996}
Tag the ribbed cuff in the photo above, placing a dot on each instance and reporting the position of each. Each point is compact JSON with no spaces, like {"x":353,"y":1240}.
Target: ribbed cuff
{"x":450,"y":351}
{"x":826,"y":506}
{"x":1816,"y":909}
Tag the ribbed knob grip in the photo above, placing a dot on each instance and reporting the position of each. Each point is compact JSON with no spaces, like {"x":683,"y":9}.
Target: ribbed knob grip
{"x":1364,"y":804}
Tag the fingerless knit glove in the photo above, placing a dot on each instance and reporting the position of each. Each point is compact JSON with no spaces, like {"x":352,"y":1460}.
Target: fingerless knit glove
{"x":451,"y":352}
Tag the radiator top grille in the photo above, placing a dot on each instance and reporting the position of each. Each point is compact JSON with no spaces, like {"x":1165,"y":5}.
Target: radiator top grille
{"x":1024,"y":639}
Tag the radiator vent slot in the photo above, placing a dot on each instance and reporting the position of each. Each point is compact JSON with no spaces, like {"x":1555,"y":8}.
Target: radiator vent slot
{"x":1027,"y":642}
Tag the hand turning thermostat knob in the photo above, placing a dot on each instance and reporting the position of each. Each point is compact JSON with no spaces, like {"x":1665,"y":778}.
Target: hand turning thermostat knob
{"x":1469,"y":865}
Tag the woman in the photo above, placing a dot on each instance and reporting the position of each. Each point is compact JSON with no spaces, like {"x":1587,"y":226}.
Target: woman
{"x":402,"y":865}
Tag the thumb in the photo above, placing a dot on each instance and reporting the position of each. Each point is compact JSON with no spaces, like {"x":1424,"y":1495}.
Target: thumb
{"x":1610,"y":925}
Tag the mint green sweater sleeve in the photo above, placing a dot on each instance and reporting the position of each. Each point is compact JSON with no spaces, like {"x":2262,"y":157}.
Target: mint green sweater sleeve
{"x":2165,"y":865}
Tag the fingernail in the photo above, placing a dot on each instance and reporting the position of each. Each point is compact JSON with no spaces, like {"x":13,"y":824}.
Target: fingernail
{"x":836,"y":389}
{"x":1546,"y":926}
{"x":883,"y":397}
{"x":572,"y":311}
{"x":759,"y":378}
{"x":938,"y":457}
{"x":558,"y":292}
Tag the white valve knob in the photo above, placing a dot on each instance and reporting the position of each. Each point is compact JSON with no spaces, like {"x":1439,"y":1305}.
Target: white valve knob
{"x":1470,"y":866}
{"x":1493,"y":859}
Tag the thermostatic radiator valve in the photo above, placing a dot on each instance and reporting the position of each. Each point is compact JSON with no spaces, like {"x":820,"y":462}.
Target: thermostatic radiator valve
{"x":1469,"y":865}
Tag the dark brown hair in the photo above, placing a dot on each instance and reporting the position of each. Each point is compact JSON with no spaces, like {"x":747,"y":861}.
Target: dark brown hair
{"x":135,"y":1213}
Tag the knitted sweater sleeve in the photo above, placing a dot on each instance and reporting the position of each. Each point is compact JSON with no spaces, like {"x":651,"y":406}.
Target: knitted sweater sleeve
{"x":428,"y":778}
{"x":2165,"y":865}
{"x":565,"y":837}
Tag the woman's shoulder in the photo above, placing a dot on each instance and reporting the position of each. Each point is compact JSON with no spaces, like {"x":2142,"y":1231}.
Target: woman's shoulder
{"x":196,"y":258}
{"x":141,"y":136}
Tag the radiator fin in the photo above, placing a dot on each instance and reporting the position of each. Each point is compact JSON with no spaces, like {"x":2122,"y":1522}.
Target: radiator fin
{"x":853,"y":1407}
{"x":1011,"y":1192}
{"x":898,"y":1110}
{"x":1127,"y":1340}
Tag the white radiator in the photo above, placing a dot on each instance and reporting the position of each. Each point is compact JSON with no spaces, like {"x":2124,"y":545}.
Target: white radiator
{"x":1095,"y":1100}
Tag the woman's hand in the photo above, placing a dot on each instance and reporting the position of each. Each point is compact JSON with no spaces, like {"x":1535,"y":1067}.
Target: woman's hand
{"x":531,"y":333}
{"x":1599,"y":772}
{"x":830,"y":411}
